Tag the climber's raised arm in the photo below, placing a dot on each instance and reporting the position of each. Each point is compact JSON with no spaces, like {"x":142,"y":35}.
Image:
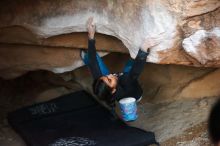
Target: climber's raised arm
{"x":141,"y":57}
{"x":92,"y":59}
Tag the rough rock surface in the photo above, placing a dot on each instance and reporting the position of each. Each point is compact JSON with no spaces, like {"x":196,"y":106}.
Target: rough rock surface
{"x":190,"y":30}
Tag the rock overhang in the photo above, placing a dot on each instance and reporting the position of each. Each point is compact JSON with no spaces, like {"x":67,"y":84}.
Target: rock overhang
{"x":47,"y":23}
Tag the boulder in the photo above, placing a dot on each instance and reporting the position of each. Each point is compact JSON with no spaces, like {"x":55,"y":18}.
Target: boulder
{"x":190,"y":31}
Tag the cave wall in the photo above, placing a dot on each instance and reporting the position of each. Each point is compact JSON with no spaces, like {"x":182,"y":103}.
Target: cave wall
{"x":190,"y":31}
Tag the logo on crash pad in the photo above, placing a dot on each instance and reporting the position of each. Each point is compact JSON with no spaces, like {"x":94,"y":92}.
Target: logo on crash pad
{"x":43,"y":109}
{"x":73,"y":141}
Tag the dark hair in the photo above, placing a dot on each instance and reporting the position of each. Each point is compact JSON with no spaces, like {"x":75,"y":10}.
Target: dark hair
{"x":102,"y":90}
{"x":214,"y":123}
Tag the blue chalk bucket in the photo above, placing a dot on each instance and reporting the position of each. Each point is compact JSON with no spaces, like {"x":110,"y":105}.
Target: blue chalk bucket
{"x":128,"y":109}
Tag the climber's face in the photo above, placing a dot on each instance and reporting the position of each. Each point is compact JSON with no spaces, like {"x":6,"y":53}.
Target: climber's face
{"x":111,"y":81}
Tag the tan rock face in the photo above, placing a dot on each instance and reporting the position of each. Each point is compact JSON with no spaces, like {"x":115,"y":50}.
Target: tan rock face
{"x":25,"y":58}
{"x":191,"y":31}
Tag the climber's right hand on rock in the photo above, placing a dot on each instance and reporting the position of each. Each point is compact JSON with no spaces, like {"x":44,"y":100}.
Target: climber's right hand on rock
{"x":91,"y":28}
{"x":152,"y":41}
{"x":149,"y":43}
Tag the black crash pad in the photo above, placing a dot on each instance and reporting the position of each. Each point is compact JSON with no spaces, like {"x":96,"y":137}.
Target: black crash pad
{"x":75,"y":119}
